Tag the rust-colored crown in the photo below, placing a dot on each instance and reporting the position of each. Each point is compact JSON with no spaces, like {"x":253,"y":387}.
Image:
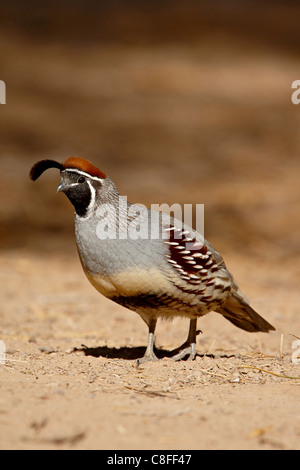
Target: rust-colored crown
{"x":83,"y":165}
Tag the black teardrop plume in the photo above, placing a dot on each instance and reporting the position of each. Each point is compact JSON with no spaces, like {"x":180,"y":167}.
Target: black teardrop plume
{"x":42,"y":166}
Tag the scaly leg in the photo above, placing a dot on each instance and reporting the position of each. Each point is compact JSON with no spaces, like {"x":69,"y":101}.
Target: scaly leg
{"x":149,"y":354}
{"x":189,"y":347}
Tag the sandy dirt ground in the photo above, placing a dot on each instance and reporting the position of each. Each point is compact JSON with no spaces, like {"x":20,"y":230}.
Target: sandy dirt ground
{"x":71,"y":382}
{"x":188,"y":107}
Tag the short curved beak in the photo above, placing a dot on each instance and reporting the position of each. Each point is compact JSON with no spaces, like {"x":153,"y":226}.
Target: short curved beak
{"x":62,"y":187}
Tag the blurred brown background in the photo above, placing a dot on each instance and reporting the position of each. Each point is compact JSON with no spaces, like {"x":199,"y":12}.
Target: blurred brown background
{"x":177,"y":101}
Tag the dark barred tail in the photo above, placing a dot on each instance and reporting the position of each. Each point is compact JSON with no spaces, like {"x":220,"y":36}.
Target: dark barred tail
{"x":238,"y":312}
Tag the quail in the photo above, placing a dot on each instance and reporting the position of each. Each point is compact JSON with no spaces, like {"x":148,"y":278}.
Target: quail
{"x":165,"y":270}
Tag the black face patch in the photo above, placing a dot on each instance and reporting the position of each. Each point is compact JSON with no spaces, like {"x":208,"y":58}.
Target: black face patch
{"x":77,"y":189}
{"x":80,"y":196}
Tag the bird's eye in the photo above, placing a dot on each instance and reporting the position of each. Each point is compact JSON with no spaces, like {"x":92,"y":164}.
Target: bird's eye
{"x":81,"y":179}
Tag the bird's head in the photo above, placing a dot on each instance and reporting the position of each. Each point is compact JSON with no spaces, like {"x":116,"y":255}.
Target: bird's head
{"x":81,"y":181}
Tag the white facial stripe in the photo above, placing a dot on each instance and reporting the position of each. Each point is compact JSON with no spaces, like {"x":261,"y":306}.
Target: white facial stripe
{"x":93,"y":196}
{"x":83,"y":173}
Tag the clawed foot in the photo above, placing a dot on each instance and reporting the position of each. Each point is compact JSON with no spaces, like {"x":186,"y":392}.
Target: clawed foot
{"x":149,"y":356}
{"x":190,"y":351}
{"x":187,"y":349}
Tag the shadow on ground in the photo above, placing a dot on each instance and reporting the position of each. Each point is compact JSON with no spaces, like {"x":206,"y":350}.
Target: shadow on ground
{"x":134,"y":353}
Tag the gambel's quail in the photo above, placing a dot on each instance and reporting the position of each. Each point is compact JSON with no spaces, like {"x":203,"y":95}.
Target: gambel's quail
{"x":168,"y":271}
